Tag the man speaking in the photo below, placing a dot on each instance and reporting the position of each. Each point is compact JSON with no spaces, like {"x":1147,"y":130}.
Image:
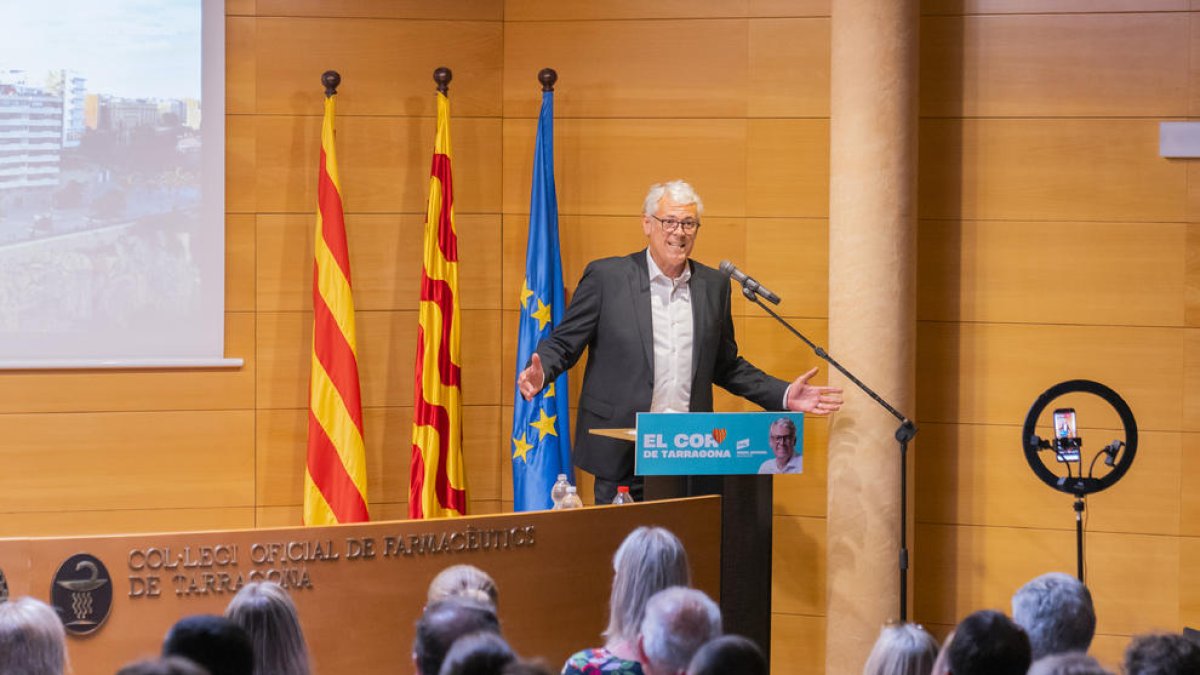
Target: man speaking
{"x":659,"y":334}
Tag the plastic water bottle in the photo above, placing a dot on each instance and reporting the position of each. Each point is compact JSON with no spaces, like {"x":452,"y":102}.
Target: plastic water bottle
{"x":572,"y":500}
{"x":623,"y":496}
{"x":559,"y":490}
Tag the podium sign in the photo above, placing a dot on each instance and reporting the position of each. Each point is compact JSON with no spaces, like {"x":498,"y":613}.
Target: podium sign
{"x":708,"y":444}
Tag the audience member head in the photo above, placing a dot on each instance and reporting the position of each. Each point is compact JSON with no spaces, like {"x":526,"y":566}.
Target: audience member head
{"x":678,"y":621}
{"x":266,"y":612}
{"x":1162,"y":654}
{"x":728,"y":655}
{"x":988,"y":643}
{"x":216,"y":643}
{"x":170,"y":665}
{"x":482,"y":653}
{"x":466,"y":581}
{"x":32,"y":640}
{"x":648,"y":561}
{"x":1068,"y":663}
{"x":444,"y":622}
{"x":1056,"y":612}
{"x":523,"y":667}
{"x":902,"y":649}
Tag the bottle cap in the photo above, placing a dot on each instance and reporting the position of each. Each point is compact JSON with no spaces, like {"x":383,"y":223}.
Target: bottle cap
{"x":622,"y":488}
{"x":562,"y":476}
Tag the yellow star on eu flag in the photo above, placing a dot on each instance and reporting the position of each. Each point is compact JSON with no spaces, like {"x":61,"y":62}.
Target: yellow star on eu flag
{"x":525,"y":293}
{"x":542,"y":314}
{"x":549,"y":393}
{"x":522,"y":448}
{"x":545,"y":425}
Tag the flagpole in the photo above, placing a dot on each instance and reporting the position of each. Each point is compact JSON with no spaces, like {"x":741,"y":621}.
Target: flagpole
{"x":547,"y":76}
{"x":331,"y":79}
{"x":442,"y":77}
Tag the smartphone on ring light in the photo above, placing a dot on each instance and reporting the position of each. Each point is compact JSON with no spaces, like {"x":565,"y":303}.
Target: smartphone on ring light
{"x":1066,"y":436}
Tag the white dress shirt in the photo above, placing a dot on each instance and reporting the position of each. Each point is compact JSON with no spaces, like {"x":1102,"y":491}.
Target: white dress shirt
{"x":671,"y":311}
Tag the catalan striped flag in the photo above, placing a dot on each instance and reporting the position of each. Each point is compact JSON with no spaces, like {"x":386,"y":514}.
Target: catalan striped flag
{"x":437,"y":484}
{"x":541,"y":442}
{"x":335,"y":477}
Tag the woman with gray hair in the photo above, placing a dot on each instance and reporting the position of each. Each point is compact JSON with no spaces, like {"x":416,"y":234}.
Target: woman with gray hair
{"x":32,"y":640}
{"x":269,"y":616}
{"x":649,"y":560}
{"x":902,"y":649}
{"x":463,"y":581}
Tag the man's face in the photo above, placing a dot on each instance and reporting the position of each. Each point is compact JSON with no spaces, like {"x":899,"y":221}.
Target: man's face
{"x":783,"y":441}
{"x":670,"y":249}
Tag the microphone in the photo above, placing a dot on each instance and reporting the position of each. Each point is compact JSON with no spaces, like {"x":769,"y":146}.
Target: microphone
{"x":748,"y":282}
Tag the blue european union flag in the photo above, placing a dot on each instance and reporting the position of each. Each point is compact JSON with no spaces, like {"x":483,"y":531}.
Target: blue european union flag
{"x":541,"y":442}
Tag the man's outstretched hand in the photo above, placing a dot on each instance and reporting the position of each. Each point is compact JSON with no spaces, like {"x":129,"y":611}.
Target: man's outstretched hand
{"x":811,"y":399}
{"x":530,"y":381}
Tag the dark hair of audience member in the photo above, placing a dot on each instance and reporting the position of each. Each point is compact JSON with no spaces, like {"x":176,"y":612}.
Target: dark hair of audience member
{"x":216,"y":643}
{"x":1068,"y":663}
{"x":988,"y":643}
{"x":482,"y":653}
{"x":902,"y":649}
{"x":524,"y":667}
{"x":1162,"y":654}
{"x":444,"y":622}
{"x":169,"y":665}
{"x":268,"y":615}
{"x":728,"y":655}
{"x":465,"y":581}
{"x":32,"y":640}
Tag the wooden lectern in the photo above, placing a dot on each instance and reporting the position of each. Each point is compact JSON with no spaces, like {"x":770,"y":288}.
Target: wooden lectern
{"x":746,"y":541}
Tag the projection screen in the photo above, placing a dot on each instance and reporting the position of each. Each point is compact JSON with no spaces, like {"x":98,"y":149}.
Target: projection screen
{"x":112,"y":145}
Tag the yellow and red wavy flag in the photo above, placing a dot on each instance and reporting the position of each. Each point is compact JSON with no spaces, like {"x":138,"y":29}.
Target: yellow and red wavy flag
{"x":335,"y":478}
{"x":438,"y":482}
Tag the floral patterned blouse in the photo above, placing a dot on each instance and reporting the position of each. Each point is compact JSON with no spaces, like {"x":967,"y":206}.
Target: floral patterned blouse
{"x":600,"y":662}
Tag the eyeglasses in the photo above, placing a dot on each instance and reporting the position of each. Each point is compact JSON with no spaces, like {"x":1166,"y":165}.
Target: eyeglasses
{"x":669,"y":225}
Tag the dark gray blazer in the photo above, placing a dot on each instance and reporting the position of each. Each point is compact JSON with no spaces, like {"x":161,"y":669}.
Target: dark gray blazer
{"x":609,"y":314}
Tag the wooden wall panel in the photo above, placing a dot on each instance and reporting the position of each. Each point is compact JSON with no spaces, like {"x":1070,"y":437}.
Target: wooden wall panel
{"x":680,"y":68}
{"x":385,"y":261}
{"x":240,"y":163}
{"x":386,"y":353}
{"x":788,"y":169}
{"x":33,"y":391}
{"x":797,"y":644}
{"x":1134,"y":579}
{"x":805,"y":495}
{"x":1031,"y":65}
{"x":134,"y":460}
{"x":1054,"y":273}
{"x":239,"y":263}
{"x":605,"y":166}
{"x":791,"y":257}
{"x":798,"y":569}
{"x":281,"y":447}
{"x":991,"y":373}
{"x":1189,"y":466}
{"x":461,"y":10}
{"x":789,"y":68}
{"x":1049,"y":6}
{"x":977,"y":475}
{"x":108,"y":521}
{"x":1048,"y":169}
{"x":383,"y":162}
{"x":386,"y":65}
{"x":241,"y":36}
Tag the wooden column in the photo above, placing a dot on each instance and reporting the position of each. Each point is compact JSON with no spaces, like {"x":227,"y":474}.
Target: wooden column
{"x":872,"y":305}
